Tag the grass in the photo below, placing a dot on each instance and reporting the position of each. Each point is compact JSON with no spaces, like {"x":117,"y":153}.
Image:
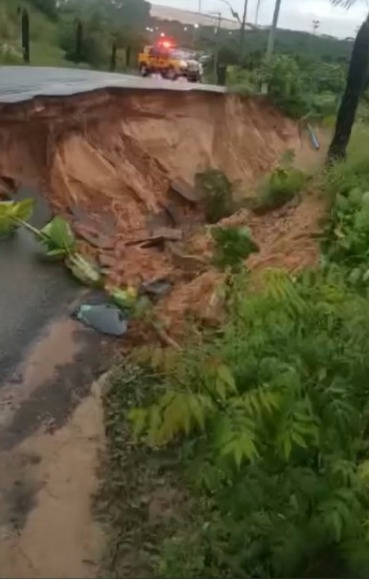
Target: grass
{"x":140,"y":496}
{"x":354,"y":172}
{"x":45,"y":50}
{"x":280,"y":187}
{"x":44,"y":54}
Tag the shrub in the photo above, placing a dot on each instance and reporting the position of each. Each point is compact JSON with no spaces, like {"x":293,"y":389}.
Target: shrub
{"x":344,"y":176}
{"x":275,"y":411}
{"x":280,"y":186}
{"x":346,"y":235}
{"x":216,"y":191}
{"x":287,"y":86}
{"x":232,"y":246}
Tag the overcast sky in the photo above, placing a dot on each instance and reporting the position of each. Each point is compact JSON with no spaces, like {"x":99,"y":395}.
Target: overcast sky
{"x":295,"y":14}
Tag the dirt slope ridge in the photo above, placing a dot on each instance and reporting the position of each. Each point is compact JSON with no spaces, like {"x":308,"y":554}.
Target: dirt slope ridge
{"x":111,"y":155}
{"x":127,"y":145}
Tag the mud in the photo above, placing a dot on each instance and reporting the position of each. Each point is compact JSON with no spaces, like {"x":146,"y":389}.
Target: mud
{"x":51,"y":434}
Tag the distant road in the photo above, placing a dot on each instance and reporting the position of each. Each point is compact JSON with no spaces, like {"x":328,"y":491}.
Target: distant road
{"x":21,"y":83}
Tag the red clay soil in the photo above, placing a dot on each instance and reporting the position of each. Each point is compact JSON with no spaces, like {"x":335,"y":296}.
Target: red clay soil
{"x":106,"y":160}
{"x":286,"y":239}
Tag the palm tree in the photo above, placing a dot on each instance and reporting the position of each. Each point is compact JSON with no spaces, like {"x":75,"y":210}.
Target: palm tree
{"x":23,"y":12}
{"x":355,"y":84}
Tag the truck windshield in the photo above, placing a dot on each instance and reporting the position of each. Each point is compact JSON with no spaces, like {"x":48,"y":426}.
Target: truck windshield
{"x":182,"y":54}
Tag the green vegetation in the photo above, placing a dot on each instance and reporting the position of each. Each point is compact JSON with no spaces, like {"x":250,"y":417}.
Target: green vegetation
{"x":302,"y":89}
{"x":12,"y":214}
{"x":280,"y":186}
{"x":275,"y":417}
{"x":53,"y":31}
{"x":216,"y":190}
{"x":346,"y":236}
{"x":232,"y":245}
{"x":262,"y":423}
{"x":56,"y":239}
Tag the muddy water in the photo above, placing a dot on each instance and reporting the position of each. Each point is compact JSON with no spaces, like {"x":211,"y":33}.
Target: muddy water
{"x":51,"y":425}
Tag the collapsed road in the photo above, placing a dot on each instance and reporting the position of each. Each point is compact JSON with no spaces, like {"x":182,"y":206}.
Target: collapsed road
{"x":23,"y":83}
{"x":116,"y":156}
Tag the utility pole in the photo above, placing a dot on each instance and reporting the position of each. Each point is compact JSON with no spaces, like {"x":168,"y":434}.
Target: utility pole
{"x":218,"y":16}
{"x":271,"y":36}
{"x":243,"y":28}
{"x":272,"y":30}
{"x":200,"y":6}
{"x":257,"y":12}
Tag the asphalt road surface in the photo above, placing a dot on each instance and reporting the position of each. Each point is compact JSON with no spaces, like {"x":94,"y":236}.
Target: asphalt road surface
{"x":32,"y":291}
{"x":20,"y":83}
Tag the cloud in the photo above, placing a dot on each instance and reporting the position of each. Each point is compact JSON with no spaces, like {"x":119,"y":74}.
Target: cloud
{"x":295,"y":14}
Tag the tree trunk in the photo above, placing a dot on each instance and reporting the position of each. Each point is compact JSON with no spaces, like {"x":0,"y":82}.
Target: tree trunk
{"x":25,"y":36}
{"x":79,"y":40}
{"x":221,"y":74}
{"x":355,"y":84}
{"x":128,"y":56}
{"x":113,"y":58}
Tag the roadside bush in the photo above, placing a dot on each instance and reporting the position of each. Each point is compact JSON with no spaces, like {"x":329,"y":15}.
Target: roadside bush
{"x":273,"y":413}
{"x":232,"y":245}
{"x":216,"y":191}
{"x":352,"y":173}
{"x":287,"y":86}
{"x":346,"y":235}
{"x":280,"y":186}
{"x":297,"y":87}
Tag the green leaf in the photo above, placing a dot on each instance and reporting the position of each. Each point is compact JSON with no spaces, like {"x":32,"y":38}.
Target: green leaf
{"x":12,"y":213}
{"x":355,"y":276}
{"x":361,"y":221}
{"x":226,"y":376}
{"x":241,"y":446}
{"x":342,"y":202}
{"x":138,"y":417}
{"x":83,"y":270}
{"x":355,"y":195}
{"x":57,"y":235}
{"x":365,"y":199}
{"x":287,"y":447}
{"x":337,"y":524}
{"x":124,"y":299}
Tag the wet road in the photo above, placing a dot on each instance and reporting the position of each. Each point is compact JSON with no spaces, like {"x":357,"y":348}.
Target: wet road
{"x":19,"y":83}
{"x":32,"y":291}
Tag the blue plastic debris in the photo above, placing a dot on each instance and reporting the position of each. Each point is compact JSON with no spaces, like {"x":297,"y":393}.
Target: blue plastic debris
{"x":313,"y":137}
{"x":104,"y":318}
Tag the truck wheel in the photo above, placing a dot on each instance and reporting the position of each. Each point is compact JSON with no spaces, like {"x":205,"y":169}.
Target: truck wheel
{"x":171,"y":74}
{"x":144,"y":71}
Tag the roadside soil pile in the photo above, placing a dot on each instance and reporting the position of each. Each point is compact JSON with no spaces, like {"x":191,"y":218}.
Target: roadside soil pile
{"x":121,"y":167}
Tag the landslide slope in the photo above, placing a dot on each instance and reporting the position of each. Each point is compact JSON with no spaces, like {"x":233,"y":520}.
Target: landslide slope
{"x":117,"y":152}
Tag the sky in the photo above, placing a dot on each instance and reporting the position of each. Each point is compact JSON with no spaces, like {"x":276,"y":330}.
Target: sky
{"x":294,"y":14}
